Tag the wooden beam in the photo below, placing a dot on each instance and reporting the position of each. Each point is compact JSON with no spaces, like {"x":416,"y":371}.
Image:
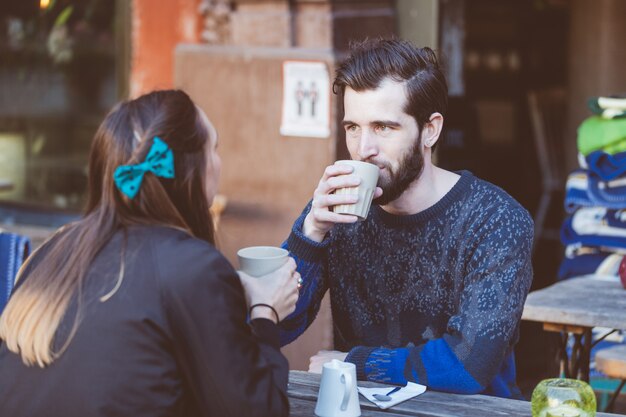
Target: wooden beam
{"x":554,"y":327}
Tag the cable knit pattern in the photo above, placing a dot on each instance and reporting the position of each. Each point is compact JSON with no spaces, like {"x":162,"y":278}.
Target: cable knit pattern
{"x":435,"y":297}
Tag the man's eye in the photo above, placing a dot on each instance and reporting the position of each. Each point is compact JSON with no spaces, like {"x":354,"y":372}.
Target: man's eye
{"x":383,"y":128}
{"x":351,"y":128}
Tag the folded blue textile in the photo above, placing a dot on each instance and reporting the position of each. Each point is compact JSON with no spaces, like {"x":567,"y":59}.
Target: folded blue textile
{"x":592,"y":261}
{"x":584,"y":189}
{"x":606,"y":194}
{"x":606,"y":166}
{"x":597,"y":227}
{"x":14,"y":249}
{"x":576,"y":198}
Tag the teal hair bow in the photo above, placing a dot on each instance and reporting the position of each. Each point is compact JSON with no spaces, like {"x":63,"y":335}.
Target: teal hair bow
{"x":160,"y":161}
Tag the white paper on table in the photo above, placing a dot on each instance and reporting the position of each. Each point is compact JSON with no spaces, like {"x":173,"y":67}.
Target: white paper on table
{"x":409,"y":391}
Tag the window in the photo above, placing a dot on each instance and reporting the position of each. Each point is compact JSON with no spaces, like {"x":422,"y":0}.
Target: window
{"x":59,"y":75}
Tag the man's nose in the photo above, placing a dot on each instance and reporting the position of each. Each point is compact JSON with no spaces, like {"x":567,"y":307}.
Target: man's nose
{"x":368,"y":146}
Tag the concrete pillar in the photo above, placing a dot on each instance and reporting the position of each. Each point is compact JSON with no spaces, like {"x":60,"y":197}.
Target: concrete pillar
{"x":156,"y":29}
{"x":597,"y":60}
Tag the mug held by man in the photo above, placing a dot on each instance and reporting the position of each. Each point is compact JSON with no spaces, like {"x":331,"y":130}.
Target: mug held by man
{"x":365,"y":190}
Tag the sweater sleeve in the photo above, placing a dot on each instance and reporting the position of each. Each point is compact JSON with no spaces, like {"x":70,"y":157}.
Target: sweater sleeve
{"x":310,"y":257}
{"x":471,"y":352}
{"x":231,"y":368}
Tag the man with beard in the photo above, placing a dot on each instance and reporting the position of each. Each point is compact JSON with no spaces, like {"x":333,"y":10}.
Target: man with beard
{"x":430,"y":287}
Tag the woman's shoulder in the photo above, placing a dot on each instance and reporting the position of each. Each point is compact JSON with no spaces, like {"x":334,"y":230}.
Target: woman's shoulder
{"x":179,"y":257}
{"x":169,"y":239}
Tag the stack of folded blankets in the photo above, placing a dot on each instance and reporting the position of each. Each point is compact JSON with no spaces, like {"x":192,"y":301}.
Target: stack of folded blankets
{"x":594,"y":233}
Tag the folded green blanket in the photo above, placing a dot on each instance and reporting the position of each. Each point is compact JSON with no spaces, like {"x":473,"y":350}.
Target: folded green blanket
{"x":597,"y":133}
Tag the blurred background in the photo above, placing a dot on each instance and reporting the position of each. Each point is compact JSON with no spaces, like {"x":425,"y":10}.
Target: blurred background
{"x":519,"y":74}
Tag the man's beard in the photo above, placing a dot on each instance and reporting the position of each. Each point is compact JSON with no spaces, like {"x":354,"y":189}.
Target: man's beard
{"x":410,"y":169}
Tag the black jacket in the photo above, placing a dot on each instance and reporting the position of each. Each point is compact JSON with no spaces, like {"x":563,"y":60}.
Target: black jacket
{"x":172,"y":341}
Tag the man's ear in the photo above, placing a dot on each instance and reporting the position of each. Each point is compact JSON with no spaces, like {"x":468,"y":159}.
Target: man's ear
{"x":432,"y":130}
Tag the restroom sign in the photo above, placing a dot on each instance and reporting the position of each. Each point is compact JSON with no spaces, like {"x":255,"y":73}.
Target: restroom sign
{"x":306,"y":99}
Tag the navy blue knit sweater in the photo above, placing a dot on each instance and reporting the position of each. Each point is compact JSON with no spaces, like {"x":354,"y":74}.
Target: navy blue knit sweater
{"x":435,"y":297}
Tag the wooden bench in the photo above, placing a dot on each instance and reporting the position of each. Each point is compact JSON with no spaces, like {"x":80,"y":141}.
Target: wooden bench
{"x":612,"y":363}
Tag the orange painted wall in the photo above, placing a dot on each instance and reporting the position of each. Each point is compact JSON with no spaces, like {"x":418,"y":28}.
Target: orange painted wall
{"x":157,"y":27}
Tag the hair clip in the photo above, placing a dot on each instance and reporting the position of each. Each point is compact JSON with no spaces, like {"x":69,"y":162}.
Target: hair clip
{"x":160,"y":161}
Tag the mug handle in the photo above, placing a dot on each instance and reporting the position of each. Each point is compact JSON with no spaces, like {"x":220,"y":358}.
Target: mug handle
{"x":346,"y":378}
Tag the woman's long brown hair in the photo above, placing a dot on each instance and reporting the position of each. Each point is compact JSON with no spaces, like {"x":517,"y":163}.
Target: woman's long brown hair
{"x":31,"y":318}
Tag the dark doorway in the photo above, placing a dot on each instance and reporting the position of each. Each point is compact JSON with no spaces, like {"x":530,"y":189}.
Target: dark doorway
{"x":506,"y":50}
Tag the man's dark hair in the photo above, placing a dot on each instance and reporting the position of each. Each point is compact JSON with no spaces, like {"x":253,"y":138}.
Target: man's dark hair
{"x":372,"y":61}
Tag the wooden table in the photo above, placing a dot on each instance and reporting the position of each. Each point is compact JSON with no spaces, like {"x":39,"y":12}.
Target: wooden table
{"x":303,"y":389}
{"x":575,"y":306}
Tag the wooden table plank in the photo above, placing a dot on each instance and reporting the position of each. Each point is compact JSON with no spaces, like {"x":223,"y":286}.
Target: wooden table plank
{"x":586,"y":301}
{"x":305,"y":408}
{"x":303,"y":389}
{"x":304,"y":385}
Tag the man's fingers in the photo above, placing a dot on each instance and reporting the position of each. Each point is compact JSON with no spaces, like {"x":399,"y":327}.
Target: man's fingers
{"x":343,"y":181}
{"x":315,"y":363}
{"x":315,"y":369}
{"x":330,"y":200}
{"x":334,"y":170}
{"x":328,"y":185}
{"x":331,"y":217}
{"x":330,"y":172}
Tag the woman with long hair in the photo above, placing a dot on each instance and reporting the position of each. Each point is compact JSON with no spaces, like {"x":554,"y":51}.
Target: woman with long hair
{"x":131,"y":311}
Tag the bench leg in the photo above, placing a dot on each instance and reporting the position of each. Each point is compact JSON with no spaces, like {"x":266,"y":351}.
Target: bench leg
{"x":609,"y":407}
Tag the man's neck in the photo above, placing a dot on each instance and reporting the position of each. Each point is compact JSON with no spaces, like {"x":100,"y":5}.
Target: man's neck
{"x":424,"y":192}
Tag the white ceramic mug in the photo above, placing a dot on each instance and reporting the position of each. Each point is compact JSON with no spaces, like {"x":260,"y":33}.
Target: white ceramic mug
{"x":369,"y":178}
{"x":338,"y":396}
{"x":261,"y":260}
